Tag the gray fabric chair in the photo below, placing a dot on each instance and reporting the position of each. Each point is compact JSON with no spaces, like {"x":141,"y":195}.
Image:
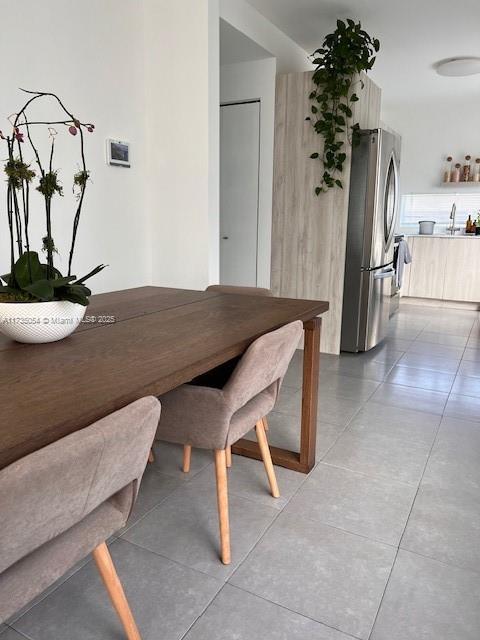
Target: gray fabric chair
{"x":211,"y":418}
{"x":62,"y":502}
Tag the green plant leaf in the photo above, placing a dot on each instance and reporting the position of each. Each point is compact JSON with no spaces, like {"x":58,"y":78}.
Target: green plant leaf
{"x":318,"y":191}
{"x":314,"y":155}
{"x":41,"y":289}
{"x":28,"y":269}
{"x":91,"y":273}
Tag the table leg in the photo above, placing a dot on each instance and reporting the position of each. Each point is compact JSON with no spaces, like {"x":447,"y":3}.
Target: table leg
{"x":303,"y":461}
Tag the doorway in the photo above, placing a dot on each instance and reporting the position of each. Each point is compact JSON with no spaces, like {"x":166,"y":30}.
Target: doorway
{"x":239,"y":189}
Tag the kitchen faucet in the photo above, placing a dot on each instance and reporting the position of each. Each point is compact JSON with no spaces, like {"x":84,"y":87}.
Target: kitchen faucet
{"x":452,"y":218}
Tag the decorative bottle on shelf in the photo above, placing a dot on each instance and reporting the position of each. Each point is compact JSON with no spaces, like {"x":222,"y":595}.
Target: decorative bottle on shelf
{"x":447,"y":173}
{"x":466,"y":169}
{"x":468,"y":225}
{"x":476,"y":171}
{"x":456,"y":173}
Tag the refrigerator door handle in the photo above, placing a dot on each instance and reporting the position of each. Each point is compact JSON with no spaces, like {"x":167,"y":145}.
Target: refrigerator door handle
{"x":389,"y":273}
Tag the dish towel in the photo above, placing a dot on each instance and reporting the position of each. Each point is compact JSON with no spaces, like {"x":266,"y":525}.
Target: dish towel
{"x":403,"y":257}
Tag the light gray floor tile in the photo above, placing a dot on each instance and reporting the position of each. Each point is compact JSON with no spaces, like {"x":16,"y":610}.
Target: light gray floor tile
{"x":442,"y":338}
{"x":238,"y":615}
{"x":185,"y":527}
{"x":294,"y":375}
{"x":455,"y":458}
{"x":326,"y":574}
{"x":469,"y":368}
{"x":289,"y":401}
{"x":331,"y":409}
{"x":165,"y":598}
{"x":433,"y":362}
{"x":379,"y":455}
{"x":467,"y":386}
{"x":405,"y":332}
{"x":398,"y":344}
{"x":155,"y":487}
{"x":404,"y":424}
{"x":10,"y":634}
{"x":445,"y":525}
{"x":450,"y":326}
{"x":422,"y":378}
{"x":397,"y":395}
{"x":464,"y":407}
{"x":359,"y":367}
{"x":471,"y":355}
{"x":284,"y":432}
{"x":247,"y":478}
{"x":346,"y":387}
{"x":428,"y":600}
{"x":169,"y":460}
{"x":439,"y":350}
{"x":371,"y":507}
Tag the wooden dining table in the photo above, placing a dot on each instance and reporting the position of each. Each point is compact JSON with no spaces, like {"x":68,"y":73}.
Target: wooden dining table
{"x":139,"y":342}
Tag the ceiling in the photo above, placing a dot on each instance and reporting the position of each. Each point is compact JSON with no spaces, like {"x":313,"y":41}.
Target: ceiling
{"x":237,"y":47}
{"x":414,"y":34}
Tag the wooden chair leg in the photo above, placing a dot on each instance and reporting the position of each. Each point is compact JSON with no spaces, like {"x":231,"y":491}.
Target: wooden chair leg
{"x":228,"y":456}
{"x":112,"y":583}
{"x":267,"y":458}
{"x":222,"y":501}
{"x":265,"y":424}
{"x":151,"y":456}
{"x":187,"y":455}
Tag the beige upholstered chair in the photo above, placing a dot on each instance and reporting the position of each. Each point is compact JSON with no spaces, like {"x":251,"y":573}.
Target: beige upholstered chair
{"x":219,"y":376}
{"x":63,"y":501}
{"x":212,"y":418}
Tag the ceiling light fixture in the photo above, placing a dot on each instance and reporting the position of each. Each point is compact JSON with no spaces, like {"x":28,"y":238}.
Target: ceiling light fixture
{"x":458,"y":67}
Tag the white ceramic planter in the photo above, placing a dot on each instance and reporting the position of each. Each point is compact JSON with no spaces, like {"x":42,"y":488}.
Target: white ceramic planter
{"x":37,"y":322}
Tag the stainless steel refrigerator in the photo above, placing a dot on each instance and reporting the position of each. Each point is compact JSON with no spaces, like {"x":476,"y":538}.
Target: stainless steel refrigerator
{"x":372,"y":212}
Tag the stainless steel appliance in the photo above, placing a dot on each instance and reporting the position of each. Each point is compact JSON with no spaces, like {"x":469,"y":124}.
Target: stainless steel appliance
{"x":395,"y":289}
{"x":373,"y":204}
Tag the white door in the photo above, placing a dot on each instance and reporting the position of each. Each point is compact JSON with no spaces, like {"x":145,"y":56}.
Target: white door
{"x":239,"y":160}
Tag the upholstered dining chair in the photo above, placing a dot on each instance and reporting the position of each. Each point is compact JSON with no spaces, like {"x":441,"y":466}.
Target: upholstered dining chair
{"x":219,"y":376}
{"x":64,"y":501}
{"x":212,"y":418}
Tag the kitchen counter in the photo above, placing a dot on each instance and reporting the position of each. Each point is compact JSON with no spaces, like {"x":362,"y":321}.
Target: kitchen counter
{"x":442,"y":235}
{"x":443,"y":270}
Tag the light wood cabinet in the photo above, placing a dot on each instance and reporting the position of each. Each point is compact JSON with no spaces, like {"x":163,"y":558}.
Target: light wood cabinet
{"x":427,"y":271}
{"x":443,"y":268}
{"x":462,"y":272}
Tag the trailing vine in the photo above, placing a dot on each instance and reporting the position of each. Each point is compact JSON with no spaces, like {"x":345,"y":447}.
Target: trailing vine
{"x":344,"y":54}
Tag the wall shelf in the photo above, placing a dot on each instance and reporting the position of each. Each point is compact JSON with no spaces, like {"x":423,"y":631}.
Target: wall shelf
{"x":460,"y":184}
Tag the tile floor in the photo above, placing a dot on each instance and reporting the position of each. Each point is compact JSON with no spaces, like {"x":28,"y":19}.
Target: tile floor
{"x":380,"y":541}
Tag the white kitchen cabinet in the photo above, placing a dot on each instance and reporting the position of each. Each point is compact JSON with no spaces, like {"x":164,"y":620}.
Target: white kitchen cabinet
{"x":443,"y":268}
{"x":462,"y":272}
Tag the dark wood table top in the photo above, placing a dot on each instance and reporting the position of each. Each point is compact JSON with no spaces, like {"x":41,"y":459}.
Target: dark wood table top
{"x":160,"y":338}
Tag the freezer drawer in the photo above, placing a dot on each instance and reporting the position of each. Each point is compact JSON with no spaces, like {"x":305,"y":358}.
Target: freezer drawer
{"x":377,"y":314}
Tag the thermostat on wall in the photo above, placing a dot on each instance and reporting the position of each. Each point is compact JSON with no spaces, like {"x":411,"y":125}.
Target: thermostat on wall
{"x":118,"y":153}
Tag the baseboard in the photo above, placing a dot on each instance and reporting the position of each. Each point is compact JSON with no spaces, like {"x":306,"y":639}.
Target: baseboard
{"x":444,"y":304}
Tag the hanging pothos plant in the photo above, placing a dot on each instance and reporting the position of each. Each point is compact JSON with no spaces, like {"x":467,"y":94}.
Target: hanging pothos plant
{"x":345,"y":53}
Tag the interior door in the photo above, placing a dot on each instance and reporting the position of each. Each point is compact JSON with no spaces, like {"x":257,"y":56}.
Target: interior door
{"x":239,"y":165}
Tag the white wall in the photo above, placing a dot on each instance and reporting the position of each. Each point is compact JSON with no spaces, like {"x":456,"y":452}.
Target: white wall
{"x":256,"y":80}
{"x":290,"y":56}
{"x":432,"y":130}
{"x":182,"y":121}
{"x":91,"y":57}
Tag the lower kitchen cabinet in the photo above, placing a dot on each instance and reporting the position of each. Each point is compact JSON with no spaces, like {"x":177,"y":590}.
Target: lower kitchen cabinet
{"x":444,"y":268}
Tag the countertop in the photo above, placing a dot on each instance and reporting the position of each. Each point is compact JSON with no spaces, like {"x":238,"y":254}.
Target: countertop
{"x":441,"y":235}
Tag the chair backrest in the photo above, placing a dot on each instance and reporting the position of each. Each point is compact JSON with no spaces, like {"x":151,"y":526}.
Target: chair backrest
{"x":248,"y":291}
{"x":47,"y":492}
{"x":264,"y":363}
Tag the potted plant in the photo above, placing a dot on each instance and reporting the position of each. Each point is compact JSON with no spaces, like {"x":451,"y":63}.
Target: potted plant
{"x":37,"y":302}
